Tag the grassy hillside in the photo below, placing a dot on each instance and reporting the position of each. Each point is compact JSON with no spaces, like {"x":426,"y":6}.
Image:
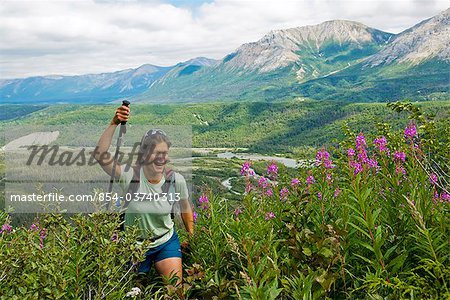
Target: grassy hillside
{"x":221,"y":84}
{"x":12,"y":112}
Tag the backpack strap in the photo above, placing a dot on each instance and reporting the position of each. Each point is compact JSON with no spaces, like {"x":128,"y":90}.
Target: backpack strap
{"x":170,"y":181}
{"x":134,"y":185}
{"x":132,"y":188}
{"x":169,"y":188}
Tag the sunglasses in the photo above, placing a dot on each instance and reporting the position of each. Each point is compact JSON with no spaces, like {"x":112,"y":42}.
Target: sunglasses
{"x":155,"y":131}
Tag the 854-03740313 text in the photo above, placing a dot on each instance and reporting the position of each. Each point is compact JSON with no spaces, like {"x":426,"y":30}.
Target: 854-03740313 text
{"x":94,"y":197}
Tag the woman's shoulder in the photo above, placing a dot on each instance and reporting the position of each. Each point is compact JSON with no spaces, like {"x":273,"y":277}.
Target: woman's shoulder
{"x":181,"y":185}
{"x":180,"y":181}
{"x":179,"y":177}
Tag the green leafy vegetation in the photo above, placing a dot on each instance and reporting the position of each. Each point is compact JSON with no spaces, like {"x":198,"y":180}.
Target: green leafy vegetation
{"x":16,"y":111}
{"x":370,"y":220}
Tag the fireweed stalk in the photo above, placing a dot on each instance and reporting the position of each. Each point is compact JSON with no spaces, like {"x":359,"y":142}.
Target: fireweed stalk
{"x":247,"y":172}
{"x":363,"y":170}
{"x":325,"y":166}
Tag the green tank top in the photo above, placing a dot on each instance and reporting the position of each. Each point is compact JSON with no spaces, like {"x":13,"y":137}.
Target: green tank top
{"x":153,"y":213}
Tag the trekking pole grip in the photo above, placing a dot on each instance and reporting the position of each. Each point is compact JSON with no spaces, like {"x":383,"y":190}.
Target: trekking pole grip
{"x":125,"y":103}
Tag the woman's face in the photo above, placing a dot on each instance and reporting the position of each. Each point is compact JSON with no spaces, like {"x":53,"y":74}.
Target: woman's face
{"x":159,"y":157}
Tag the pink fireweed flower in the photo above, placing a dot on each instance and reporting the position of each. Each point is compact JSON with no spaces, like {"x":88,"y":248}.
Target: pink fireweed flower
{"x":284,"y":193}
{"x":410,"y":131}
{"x":6,"y":228}
{"x":362,"y":157}
{"x":358,"y":168}
{"x":295,"y":181}
{"x":323,"y":158}
{"x":400,"y":169}
{"x":337,"y":192}
{"x":237,"y":211}
{"x":269,"y":215}
{"x":246,"y":170}
{"x":310,"y":180}
{"x":195,"y":216}
{"x":381,"y":144}
{"x":203,"y":199}
{"x":445,"y":197}
{"x":328,"y":164}
{"x":322,"y":154}
{"x":204,"y":202}
{"x":435,"y":197}
{"x":360,"y":142}
{"x":34,"y":227}
{"x":373,"y":163}
{"x":269,"y":192}
{"x":351,"y":152}
{"x":319,"y":195}
{"x":272,"y":169}
{"x":433,"y":179}
{"x":263,"y":182}
{"x":42,"y":237}
{"x":399,"y":156}
{"x":248,"y":188}
{"x":328,"y":177}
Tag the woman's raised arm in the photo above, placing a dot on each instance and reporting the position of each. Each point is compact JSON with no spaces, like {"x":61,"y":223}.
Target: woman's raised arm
{"x":101,"y":154}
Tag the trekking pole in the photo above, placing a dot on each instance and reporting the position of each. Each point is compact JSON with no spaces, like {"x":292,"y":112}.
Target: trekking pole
{"x":122,"y":131}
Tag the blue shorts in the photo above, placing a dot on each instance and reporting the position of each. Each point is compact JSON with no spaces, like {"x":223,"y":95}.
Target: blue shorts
{"x":171,"y":248}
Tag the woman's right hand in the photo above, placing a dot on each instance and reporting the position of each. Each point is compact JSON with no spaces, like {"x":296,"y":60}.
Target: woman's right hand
{"x":122,"y":114}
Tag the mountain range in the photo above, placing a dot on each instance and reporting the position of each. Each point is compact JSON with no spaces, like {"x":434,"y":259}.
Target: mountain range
{"x":342,"y":60}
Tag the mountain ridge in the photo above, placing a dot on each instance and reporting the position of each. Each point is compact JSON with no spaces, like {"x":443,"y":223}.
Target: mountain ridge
{"x":339,"y":59}
{"x":427,"y":39}
{"x":279,"y":48}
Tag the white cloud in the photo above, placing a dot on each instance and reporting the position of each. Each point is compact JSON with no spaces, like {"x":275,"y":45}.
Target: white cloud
{"x":79,"y":37}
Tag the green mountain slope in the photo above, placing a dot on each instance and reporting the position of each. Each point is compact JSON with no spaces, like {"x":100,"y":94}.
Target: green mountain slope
{"x":427,"y":81}
{"x":282,"y":127}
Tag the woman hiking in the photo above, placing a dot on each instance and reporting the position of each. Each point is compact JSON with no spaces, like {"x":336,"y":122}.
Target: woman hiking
{"x":153,"y":217}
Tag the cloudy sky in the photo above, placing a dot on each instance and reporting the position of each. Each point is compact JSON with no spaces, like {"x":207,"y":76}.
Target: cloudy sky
{"x":84,"y":36}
